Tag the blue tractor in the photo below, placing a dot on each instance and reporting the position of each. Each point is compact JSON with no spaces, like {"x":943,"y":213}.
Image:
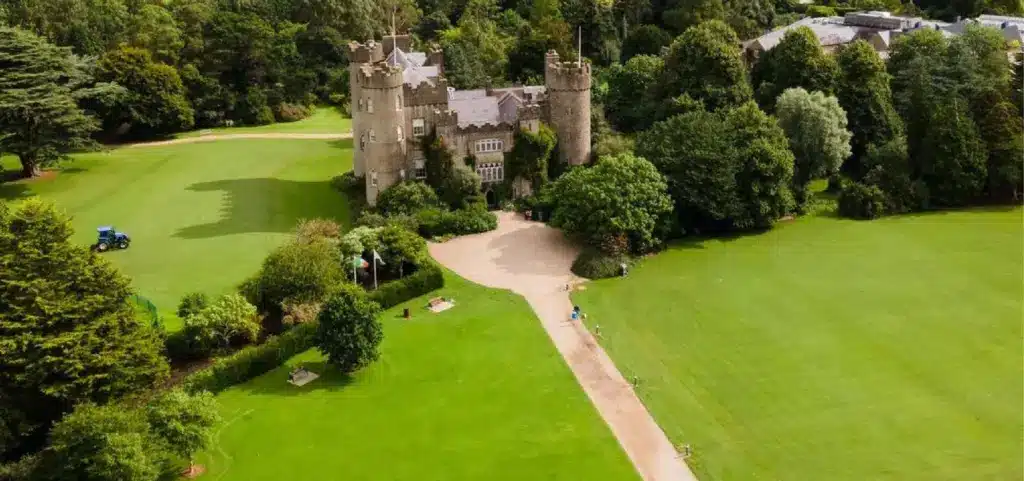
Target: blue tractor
{"x":109,"y":237}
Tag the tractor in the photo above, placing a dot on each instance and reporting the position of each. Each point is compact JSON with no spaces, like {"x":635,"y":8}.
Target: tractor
{"x":109,"y":237}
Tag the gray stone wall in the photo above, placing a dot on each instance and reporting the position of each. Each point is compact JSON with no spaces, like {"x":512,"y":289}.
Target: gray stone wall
{"x":381,"y":137}
{"x":568,"y":90}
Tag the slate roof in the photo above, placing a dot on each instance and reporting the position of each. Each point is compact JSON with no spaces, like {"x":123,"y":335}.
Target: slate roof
{"x":475,"y":110}
{"x":413,"y":71}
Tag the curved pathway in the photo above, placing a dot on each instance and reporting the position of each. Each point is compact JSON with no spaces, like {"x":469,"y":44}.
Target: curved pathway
{"x":266,"y":135}
{"x":533,"y":260}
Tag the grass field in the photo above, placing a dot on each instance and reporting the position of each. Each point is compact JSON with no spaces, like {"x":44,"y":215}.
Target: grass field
{"x":832,"y":350}
{"x":325,"y":120}
{"x":201,"y":216}
{"x":474,"y":393}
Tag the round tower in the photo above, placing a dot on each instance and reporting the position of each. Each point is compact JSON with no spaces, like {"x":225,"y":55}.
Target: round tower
{"x":359,"y":55}
{"x":568,"y":92}
{"x":380,"y":138}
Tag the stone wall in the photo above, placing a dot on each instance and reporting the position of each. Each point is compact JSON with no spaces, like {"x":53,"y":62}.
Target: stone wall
{"x":568,"y":91}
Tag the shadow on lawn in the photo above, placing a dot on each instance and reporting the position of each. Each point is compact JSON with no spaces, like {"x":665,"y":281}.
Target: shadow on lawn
{"x":276,"y":382}
{"x":263,"y":205}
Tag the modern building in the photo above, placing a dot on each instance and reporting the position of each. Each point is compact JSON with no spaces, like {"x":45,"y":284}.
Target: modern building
{"x":399,"y":96}
{"x":879,"y":29}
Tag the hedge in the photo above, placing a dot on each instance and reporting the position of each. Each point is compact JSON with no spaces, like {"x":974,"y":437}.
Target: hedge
{"x":434,"y":222}
{"x":252,"y":361}
{"x":427,"y":278}
{"x":594,"y":264}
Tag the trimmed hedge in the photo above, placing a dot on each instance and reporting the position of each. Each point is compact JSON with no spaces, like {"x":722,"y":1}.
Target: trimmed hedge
{"x":435,"y":222}
{"x":594,"y":264}
{"x":427,"y":278}
{"x":861,"y":201}
{"x":252,"y":361}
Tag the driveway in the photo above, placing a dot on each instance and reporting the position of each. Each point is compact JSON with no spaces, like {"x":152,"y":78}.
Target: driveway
{"x":533,"y":260}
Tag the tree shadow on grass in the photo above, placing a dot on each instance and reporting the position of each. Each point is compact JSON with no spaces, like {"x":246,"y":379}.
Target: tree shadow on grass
{"x":263,"y":205}
{"x":275,"y":383}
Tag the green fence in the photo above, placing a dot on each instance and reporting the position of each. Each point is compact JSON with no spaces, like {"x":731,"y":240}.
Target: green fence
{"x":145,"y":309}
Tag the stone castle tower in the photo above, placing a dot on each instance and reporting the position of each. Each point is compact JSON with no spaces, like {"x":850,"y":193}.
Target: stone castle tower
{"x":377,"y":117}
{"x":568,"y":90}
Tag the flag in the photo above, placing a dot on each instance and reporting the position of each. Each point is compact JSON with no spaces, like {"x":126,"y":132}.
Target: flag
{"x":377,"y":258}
{"x":359,"y":263}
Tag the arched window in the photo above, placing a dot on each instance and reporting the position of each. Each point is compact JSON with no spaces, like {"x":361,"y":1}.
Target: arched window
{"x":373,"y":136}
{"x":369,"y":105}
{"x":362,"y":142}
{"x":373,"y":178}
{"x":398,"y":102}
{"x":401,"y":136}
{"x":360,"y":109}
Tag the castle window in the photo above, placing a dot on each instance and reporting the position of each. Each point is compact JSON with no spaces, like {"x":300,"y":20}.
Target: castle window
{"x":398,"y":102}
{"x":360,"y":109}
{"x":489,"y":145}
{"x":420,"y":165}
{"x":362,"y":142}
{"x":369,"y":105}
{"x":373,"y":178}
{"x":401,"y":135}
{"x":373,"y":136}
{"x":418,"y":127}
{"x":491,"y":171}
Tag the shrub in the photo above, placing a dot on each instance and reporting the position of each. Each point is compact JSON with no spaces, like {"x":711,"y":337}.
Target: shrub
{"x":436,"y":222}
{"x":821,"y":11}
{"x":461,"y":188}
{"x":374,"y":219}
{"x":428,"y":277}
{"x":297,"y":271}
{"x":191,"y":304}
{"x":593,"y":264}
{"x":310,"y":230}
{"x":252,"y":108}
{"x":861,"y":201}
{"x":406,"y":198}
{"x":299,"y":312}
{"x":348,"y":331}
{"x":252,"y":361}
{"x":285,"y":112}
{"x":230,"y":320}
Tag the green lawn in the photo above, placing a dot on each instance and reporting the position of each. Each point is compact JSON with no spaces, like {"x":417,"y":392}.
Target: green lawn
{"x":474,"y":393}
{"x":201,"y":216}
{"x":832,"y":350}
{"x":325,"y":120}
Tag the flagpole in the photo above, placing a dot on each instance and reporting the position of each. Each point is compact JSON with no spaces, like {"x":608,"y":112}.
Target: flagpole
{"x":355,"y":277}
{"x":375,"y":271}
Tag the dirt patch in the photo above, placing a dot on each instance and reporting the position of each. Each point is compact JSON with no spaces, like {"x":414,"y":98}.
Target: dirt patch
{"x":193,"y":471}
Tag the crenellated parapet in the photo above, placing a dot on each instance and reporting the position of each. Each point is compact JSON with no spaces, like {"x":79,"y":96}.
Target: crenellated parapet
{"x":487,"y":128}
{"x":426,"y":94}
{"x":531,"y":112}
{"x":446,"y":118}
{"x":378,"y":76}
{"x":369,"y":52}
{"x":572,"y":76}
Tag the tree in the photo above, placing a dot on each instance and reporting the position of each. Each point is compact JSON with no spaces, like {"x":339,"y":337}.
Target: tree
{"x":68,"y":331}
{"x":40,"y":120}
{"x":693,"y":151}
{"x":750,"y":18}
{"x":631,"y":103}
{"x":816,"y":127}
{"x":437,"y":160}
{"x":299,"y":271}
{"x":461,"y":189}
{"x":764,"y":167}
{"x":156,"y":103}
{"x":863,"y":92}
{"x":348,"y":332}
{"x":529,"y":156}
{"x":797,"y":61}
{"x":153,"y":29}
{"x":621,"y":197}
{"x":645,"y":40}
{"x":231,"y":319}
{"x":184,"y":421}
{"x":400,"y":247}
{"x":705,"y":64}
{"x":916,"y":62}
{"x":952,"y":162}
{"x":406,"y":198}
{"x":686,"y":13}
{"x":191,"y":304}
{"x":105,"y":443}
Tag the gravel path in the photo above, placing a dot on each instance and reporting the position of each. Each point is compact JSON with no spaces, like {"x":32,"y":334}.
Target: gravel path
{"x":533,"y":260}
{"x":212,"y":137}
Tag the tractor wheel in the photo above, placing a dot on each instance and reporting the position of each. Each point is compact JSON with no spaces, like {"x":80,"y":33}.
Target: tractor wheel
{"x":102,"y":246}
{"x":122,"y":245}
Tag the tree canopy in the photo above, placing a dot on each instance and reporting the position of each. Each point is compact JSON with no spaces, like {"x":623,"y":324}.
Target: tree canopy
{"x":348,"y":331}
{"x":816,"y":127}
{"x":705,"y":64}
{"x":797,"y":61}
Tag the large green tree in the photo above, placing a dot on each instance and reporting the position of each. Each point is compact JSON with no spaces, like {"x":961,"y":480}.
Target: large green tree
{"x":348,"y":331}
{"x":645,"y":40}
{"x":816,"y":127}
{"x":621,"y":197}
{"x":952,"y":161}
{"x":156,"y":103}
{"x":68,"y":331}
{"x":683,"y":14}
{"x":764,"y":167}
{"x":863,"y":92}
{"x":40,"y":119}
{"x":797,"y":61}
{"x":705,"y":64}
{"x":631,"y":101}
{"x":184,"y":421}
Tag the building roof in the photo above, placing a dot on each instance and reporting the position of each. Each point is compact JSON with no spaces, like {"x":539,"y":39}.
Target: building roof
{"x":413,"y":71}
{"x":475,"y":110}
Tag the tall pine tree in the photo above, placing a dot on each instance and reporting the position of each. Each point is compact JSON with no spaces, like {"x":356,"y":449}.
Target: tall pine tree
{"x":40,"y":119}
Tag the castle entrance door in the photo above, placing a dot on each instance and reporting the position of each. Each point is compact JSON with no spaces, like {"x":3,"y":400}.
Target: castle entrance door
{"x":492,"y":199}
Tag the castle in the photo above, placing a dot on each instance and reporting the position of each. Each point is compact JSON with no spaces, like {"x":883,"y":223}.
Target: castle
{"x":399,"y":95}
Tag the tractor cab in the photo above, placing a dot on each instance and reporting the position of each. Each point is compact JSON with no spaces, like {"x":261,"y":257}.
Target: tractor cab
{"x":108,"y":237}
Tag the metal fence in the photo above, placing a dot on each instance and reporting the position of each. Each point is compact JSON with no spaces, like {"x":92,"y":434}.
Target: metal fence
{"x":145,"y":307}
